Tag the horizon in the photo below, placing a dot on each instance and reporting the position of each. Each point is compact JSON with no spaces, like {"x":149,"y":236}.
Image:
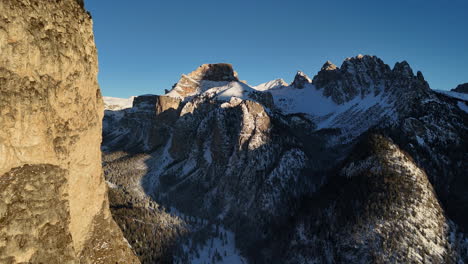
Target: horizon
{"x":268,"y":40}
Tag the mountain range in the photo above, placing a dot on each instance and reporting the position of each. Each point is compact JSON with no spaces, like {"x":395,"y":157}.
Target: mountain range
{"x":362,"y":163}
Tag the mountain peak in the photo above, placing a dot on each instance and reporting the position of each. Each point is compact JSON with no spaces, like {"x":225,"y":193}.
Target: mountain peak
{"x":191,"y":84}
{"x":328,"y":66}
{"x":403,"y":68}
{"x":300,"y":80}
{"x":217,"y":72}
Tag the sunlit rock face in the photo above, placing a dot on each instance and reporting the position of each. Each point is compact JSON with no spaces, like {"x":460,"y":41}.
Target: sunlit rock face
{"x":300,"y":80}
{"x":193,"y":82}
{"x":53,"y":199}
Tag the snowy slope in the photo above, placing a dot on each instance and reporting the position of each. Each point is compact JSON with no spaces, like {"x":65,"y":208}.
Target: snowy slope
{"x":456,"y":95}
{"x":274,"y":84}
{"x":352,"y":117}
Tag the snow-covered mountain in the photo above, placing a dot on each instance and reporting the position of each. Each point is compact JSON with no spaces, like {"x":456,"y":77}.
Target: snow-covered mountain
{"x":344,"y":167}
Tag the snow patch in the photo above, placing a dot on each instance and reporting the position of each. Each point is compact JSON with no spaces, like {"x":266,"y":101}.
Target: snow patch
{"x":115,"y":103}
{"x":463,"y":106}
{"x":275,"y":84}
{"x":456,"y":95}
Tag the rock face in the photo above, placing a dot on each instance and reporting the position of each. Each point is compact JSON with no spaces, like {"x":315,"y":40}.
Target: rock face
{"x":366,"y":75}
{"x":300,"y":80}
{"x":145,"y":126}
{"x":53,"y":199}
{"x":462,"y":88}
{"x":192,"y":83}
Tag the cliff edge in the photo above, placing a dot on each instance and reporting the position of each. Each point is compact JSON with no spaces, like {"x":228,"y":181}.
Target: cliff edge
{"x":53,"y":198}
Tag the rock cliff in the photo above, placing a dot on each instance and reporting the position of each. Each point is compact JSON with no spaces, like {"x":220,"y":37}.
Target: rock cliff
{"x":53,"y":199}
{"x":202,"y":79}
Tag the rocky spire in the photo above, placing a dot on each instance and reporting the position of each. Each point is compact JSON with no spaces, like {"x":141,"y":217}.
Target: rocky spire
{"x":328,"y":66}
{"x":54,"y":206}
{"x":214,"y":72}
{"x":403,"y":69}
{"x":363,"y":75}
{"x":300,"y":80}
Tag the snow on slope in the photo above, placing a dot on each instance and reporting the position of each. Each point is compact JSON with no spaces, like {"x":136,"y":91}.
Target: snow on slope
{"x":463,"y":106}
{"x":322,"y":109}
{"x":114,"y":103}
{"x":275,"y":84}
{"x":456,"y":95}
{"x":232,"y":89}
{"x":223,"y":91}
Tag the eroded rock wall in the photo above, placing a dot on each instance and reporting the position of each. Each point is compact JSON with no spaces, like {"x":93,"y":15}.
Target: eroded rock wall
{"x":50,"y":134}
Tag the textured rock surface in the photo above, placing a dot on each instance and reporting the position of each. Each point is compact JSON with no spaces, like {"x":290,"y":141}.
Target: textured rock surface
{"x":379,"y":208}
{"x":192,"y":83}
{"x":50,"y":114}
{"x":300,"y":80}
{"x":366,"y":75}
{"x":146,"y":125}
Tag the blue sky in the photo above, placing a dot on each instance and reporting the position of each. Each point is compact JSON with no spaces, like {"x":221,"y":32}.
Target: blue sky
{"x":144,"y":46}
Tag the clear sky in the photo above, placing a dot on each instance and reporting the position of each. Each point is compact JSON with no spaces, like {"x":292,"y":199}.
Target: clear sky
{"x":144,"y":46}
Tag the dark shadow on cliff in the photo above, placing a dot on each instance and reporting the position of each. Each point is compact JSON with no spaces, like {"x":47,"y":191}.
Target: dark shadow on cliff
{"x":190,"y":192}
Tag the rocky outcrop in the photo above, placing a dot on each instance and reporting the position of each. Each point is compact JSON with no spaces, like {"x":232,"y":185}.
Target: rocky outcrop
{"x":379,"y":208}
{"x":192,"y":83}
{"x":146,"y":124}
{"x":368,"y":75}
{"x":462,"y":88}
{"x":156,"y":104}
{"x":53,"y":199}
{"x":219,"y":72}
{"x":301,"y":80}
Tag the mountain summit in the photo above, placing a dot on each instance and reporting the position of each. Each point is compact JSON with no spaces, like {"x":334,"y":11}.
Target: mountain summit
{"x":54,"y":206}
{"x":195,"y":81}
{"x":301,"y":80}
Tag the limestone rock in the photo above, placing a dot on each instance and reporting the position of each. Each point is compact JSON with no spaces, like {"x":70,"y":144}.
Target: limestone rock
{"x":218,"y":72}
{"x":368,"y":75}
{"x":50,"y":162}
{"x":148,"y":123}
{"x":191,"y":84}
